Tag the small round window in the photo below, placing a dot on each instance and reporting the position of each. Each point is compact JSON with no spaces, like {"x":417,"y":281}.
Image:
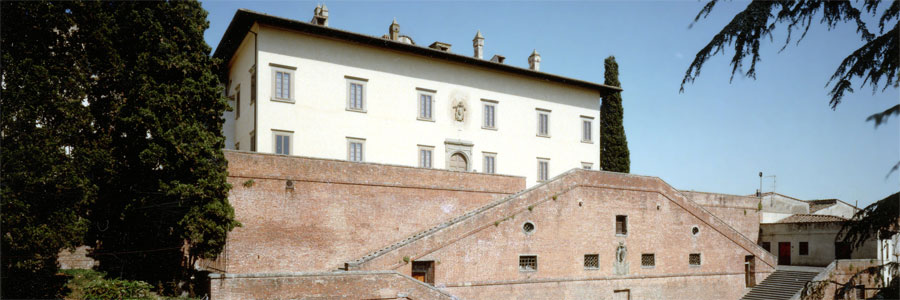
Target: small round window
{"x":695,"y":230}
{"x":528,"y":227}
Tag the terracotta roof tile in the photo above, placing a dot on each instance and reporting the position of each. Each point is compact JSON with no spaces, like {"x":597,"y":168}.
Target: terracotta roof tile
{"x":809,"y":218}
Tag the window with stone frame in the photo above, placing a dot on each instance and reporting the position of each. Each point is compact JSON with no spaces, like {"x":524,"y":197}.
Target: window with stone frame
{"x":355,"y":149}
{"x":490,"y":163}
{"x":356,"y":94}
{"x":490,"y":114}
{"x":425,"y":103}
{"x":426,"y":156}
{"x":543,"y":118}
{"x":586,"y":129}
{"x":592,"y":261}
{"x":621,"y":225}
{"x":694,"y":259}
{"x":281,"y":142}
{"x":648,"y":260}
{"x":527,"y":262}
{"x":282,"y":83}
{"x":543,"y":169}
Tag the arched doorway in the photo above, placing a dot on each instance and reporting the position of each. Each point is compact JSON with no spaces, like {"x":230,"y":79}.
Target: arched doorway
{"x":458,"y":162}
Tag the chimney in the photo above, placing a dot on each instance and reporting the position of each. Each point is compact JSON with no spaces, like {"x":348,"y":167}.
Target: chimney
{"x":320,"y":15}
{"x":440,"y":46}
{"x":394,"y":30}
{"x":498,"y":58}
{"x":534,"y":61}
{"x":478,"y":43}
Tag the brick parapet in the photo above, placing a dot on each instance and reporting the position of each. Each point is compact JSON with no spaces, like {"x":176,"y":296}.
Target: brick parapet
{"x":319,"y":170}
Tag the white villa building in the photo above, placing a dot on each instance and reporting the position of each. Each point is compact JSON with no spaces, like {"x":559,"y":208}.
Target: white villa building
{"x":306,"y":89}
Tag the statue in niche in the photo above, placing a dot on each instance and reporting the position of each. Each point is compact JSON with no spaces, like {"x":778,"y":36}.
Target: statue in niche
{"x":621,"y":266}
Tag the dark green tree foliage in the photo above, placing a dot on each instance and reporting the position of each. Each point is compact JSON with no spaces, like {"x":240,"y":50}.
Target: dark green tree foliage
{"x":614,"y":155}
{"x":876,"y":63}
{"x":130,"y":88}
{"x":43,"y":185}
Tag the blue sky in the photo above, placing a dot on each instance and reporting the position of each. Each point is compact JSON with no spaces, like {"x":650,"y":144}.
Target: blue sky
{"x":716,"y":136}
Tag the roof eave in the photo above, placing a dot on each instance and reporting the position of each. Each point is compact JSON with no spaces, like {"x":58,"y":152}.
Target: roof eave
{"x":244,"y":19}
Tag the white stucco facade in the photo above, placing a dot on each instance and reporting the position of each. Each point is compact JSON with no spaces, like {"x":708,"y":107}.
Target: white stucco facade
{"x":319,"y":120}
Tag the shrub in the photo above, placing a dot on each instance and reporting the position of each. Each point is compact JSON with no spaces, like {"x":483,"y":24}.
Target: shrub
{"x":117,"y":289}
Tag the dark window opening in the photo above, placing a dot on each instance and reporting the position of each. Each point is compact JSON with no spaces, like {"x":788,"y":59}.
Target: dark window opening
{"x":767,"y":246}
{"x":648,"y":260}
{"x":253,"y":85}
{"x":695,"y":230}
{"x":591,"y":261}
{"x":527,"y":263}
{"x":860,"y":292}
{"x":622,"y":225}
{"x":694,"y":259}
{"x":423,"y":271}
{"x":842,"y":250}
{"x":804,"y":248}
{"x":750,"y":270}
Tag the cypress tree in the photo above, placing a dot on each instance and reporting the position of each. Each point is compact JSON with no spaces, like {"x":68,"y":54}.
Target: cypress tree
{"x":614,"y":154}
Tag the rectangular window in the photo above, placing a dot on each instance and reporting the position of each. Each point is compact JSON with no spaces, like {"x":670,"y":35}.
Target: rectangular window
{"x":587,"y":165}
{"x":356,"y":94}
{"x":804,"y":248}
{"x":426,"y":156}
{"x":490,"y":114}
{"x":648,"y":260}
{"x":860,"y":292}
{"x":237,"y":102}
{"x":253,"y":141}
{"x":282,"y":142}
{"x":253,"y":85}
{"x":586,"y":129}
{"x":423,"y":271}
{"x":767,"y":246}
{"x":282,"y":83}
{"x":426,"y":105}
{"x":543,"y":169}
{"x":527,"y":263}
{"x":621,"y":225}
{"x":355,"y":149}
{"x":490,"y":163}
{"x":543,"y":128}
{"x":694,"y":259}
{"x":237,"y":146}
{"x":591,"y":261}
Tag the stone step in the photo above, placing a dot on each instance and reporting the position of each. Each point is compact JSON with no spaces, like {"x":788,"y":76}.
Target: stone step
{"x":781,"y":284}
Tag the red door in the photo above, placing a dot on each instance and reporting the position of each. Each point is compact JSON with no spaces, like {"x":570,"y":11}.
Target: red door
{"x":784,"y":253}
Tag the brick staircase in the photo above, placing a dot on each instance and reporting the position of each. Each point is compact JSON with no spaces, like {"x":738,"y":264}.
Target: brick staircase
{"x":783,"y":284}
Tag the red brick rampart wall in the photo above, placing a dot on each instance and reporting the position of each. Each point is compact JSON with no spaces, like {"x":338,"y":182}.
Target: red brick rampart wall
{"x":476,"y":256}
{"x":741,"y":212}
{"x":338,"y":210}
{"x":325,"y":285}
